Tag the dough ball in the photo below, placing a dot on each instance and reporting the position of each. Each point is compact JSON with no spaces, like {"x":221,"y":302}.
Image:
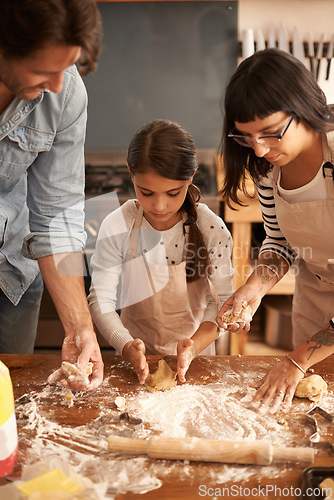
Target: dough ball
{"x":163,"y":379}
{"x":120,"y":403}
{"x":72,"y":370}
{"x":313,"y":387}
{"x":245,"y":315}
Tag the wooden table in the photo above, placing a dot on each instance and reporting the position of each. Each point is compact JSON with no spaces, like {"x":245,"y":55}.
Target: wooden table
{"x":178,"y":480}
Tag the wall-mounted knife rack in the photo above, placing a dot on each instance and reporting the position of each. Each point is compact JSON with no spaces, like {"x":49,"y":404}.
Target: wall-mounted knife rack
{"x":324,"y":52}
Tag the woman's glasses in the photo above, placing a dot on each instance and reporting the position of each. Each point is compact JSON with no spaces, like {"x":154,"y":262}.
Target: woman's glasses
{"x":270,"y":141}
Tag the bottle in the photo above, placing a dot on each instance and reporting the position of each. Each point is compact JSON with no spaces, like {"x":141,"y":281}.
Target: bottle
{"x":8,"y":429}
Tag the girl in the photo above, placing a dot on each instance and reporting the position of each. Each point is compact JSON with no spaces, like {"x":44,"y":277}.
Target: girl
{"x":157,"y":255}
{"x":279,"y":129}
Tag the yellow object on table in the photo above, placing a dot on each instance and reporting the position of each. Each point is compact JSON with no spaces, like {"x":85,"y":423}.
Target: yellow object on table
{"x":52,"y":481}
{"x":8,"y":432}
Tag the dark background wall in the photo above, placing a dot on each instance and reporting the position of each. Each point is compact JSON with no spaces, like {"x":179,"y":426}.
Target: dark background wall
{"x":161,"y":60}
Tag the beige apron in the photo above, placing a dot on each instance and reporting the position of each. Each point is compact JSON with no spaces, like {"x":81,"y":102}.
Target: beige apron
{"x":309,"y":228}
{"x":171,"y":309}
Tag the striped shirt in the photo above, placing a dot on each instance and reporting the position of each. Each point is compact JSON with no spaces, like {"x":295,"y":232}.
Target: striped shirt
{"x":274,"y":240}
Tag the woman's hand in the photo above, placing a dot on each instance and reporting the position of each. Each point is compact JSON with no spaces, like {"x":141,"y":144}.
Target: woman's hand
{"x":246,"y":293}
{"x":134,"y":351}
{"x":277,"y":387}
{"x":185,"y":355}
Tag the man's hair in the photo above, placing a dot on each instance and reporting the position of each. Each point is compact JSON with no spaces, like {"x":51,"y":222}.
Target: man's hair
{"x":29,"y":25}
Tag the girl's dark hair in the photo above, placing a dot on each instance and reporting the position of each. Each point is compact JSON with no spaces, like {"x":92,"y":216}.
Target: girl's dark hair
{"x":169,"y":150}
{"x":267,"y":82}
{"x":29,"y":25}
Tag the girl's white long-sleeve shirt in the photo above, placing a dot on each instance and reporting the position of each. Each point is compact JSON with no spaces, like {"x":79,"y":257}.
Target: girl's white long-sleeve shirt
{"x":113,"y":247}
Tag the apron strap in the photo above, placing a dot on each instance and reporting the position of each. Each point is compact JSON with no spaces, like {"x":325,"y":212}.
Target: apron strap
{"x":134,"y":239}
{"x":135,"y":231}
{"x":330,"y":141}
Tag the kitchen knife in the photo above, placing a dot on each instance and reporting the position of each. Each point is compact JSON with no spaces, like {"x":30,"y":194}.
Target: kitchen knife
{"x":210,"y":450}
{"x":297,"y":45}
{"x":271,"y":38}
{"x":319,"y":55}
{"x":260,"y":43}
{"x":283,"y":38}
{"x":248,"y":43}
{"x":330,"y":55}
{"x":310,"y":51}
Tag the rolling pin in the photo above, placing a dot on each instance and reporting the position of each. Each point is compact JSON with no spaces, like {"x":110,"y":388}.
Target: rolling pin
{"x":210,"y":450}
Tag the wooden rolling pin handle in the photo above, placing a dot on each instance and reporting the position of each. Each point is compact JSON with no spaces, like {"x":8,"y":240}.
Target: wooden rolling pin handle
{"x":195,"y":449}
{"x":303,"y":455}
{"x":210,"y":450}
{"x":207,"y":450}
{"x":129,"y":446}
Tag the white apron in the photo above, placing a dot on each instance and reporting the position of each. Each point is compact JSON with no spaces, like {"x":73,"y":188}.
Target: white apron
{"x":172,"y":309}
{"x":309,"y":228}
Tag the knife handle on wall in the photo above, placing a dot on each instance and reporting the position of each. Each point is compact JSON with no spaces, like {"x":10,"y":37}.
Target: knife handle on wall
{"x":328,"y":70}
{"x":317,"y":69}
{"x":210,"y":450}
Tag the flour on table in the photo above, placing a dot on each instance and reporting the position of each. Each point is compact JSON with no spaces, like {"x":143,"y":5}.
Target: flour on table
{"x":217,"y":408}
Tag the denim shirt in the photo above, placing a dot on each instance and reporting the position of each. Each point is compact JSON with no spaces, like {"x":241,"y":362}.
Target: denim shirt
{"x":41,"y":181}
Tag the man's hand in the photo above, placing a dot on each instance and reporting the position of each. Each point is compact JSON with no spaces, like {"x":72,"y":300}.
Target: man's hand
{"x":80,"y":348}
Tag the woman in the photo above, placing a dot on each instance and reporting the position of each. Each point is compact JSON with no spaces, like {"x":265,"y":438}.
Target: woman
{"x":278,"y":129}
{"x":163,"y":252}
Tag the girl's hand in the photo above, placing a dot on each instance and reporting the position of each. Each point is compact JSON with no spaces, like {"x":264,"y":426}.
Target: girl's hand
{"x":245,"y":293}
{"x":277,"y":387}
{"x":136,"y":354}
{"x":185,"y":355}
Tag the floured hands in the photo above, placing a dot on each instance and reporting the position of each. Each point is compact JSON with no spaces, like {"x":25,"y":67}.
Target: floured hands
{"x":277,"y":387}
{"x":244,"y":296}
{"x":134,"y":351}
{"x":185,"y":355}
{"x":80,"y":348}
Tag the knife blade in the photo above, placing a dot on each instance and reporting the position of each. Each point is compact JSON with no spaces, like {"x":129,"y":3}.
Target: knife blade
{"x":248,"y":43}
{"x":283,"y":38}
{"x":271,"y":38}
{"x":260,"y":43}
{"x":310,"y":51}
{"x":319,"y":54}
{"x":330,"y":55}
{"x":297,"y":45}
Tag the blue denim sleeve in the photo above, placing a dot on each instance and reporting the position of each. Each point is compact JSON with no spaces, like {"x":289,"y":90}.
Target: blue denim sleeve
{"x":56,"y":178}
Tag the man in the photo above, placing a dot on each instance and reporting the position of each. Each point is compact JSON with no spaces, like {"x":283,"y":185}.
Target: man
{"x":43,"y":106}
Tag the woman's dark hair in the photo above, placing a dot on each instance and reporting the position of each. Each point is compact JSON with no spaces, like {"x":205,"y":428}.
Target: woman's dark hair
{"x":168,"y":149}
{"x":29,"y":25}
{"x":267,"y":82}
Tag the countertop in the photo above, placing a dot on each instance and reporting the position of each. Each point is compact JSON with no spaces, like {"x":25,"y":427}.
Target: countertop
{"x":212,"y":404}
